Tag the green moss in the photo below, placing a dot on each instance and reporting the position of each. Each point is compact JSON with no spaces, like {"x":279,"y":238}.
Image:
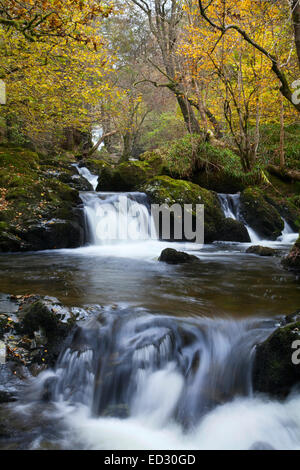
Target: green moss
{"x":127,"y":176}
{"x":262,"y":216}
{"x":274,"y":371}
{"x":165,"y":190}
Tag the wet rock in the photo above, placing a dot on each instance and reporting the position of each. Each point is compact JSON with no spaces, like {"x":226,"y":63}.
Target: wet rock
{"x":233,"y":231}
{"x":262,"y":250}
{"x":166,"y":190}
{"x":127,"y":176}
{"x":41,"y":207}
{"x":171,"y":256}
{"x":260,"y":215}
{"x":46,"y":324}
{"x":292,"y":260}
{"x":274,"y":371}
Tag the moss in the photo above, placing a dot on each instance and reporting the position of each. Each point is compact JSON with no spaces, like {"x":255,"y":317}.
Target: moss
{"x":274,"y":371}
{"x":95,"y":165}
{"x":127,"y":176}
{"x":292,"y":260}
{"x":31,"y":193}
{"x":263,"y":217}
{"x":165,"y":190}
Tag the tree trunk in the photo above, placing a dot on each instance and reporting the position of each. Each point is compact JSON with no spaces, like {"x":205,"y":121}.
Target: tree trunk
{"x":281,"y":147}
{"x":188,"y":114}
{"x":127,"y":146}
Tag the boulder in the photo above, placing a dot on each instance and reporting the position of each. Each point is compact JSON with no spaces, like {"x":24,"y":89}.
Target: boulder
{"x":166,"y":190}
{"x":47,"y":323}
{"x":171,"y":256}
{"x":40,"y":203}
{"x":233,"y":231}
{"x":274,"y":371}
{"x":292,"y":260}
{"x":260,"y":215}
{"x":127,"y":176}
{"x":261,"y":250}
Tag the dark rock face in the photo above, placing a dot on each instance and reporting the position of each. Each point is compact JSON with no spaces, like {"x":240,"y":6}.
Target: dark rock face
{"x":260,"y":214}
{"x":261,"y":250}
{"x":171,"y":256}
{"x":233,"y":231}
{"x":40,"y":203}
{"x":274,"y":371}
{"x":292,"y":261}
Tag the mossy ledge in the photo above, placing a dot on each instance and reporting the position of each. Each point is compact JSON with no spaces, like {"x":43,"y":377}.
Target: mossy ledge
{"x":39,"y":201}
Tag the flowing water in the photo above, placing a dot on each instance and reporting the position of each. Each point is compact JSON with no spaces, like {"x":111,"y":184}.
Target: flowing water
{"x":164,"y":355}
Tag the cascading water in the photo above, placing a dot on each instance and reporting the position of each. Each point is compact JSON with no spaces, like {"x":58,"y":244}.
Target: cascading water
{"x":117,"y":217}
{"x":85,"y":173}
{"x":152,"y":373}
{"x":130,"y":378}
{"x":230,"y":204}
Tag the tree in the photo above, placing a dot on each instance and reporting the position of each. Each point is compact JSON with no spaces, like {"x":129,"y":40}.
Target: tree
{"x":217,"y":13}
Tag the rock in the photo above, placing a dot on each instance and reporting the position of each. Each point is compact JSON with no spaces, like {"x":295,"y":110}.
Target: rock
{"x":233,"y":231}
{"x":260,"y":215}
{"x":45,"y":322}
{"x":171,"y":256}
{"x":40,"y":203}
{"x":292,"y":261}
{"x":166,"y":190}
{"x":127,"y":176}
{"x":273,"y":370}
{"x":262,"y":250}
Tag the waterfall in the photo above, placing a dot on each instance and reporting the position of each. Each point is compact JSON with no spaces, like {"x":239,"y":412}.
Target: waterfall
{"x":154,"y":368}
{"x":117,"y":217}
{"x":230,"y":204}
{"x":85,"y":173}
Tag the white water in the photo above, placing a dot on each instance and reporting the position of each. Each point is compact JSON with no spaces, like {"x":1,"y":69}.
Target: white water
{"x":131,"y":380}
{"x":92,"y":179}
{"x":230,"y":204}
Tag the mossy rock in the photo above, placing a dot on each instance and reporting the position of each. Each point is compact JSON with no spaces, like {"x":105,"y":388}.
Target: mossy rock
{"x":95,"y":165}
{"x":171,"y":256}
{"x":260,"y":215}
{"x":165,"y":190}
{"x":127,"y":176}
{"x":232,"y":230}
{"x":273,"y":371}
{"x":36,"y":205}
{"x":262,"y":250}
{"x":292,"y":260}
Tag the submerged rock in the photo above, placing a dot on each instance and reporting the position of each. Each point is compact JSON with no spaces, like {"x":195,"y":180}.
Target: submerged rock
{"x":171,"y":256}
{"x":292,"y":261}
{"x":274,"y":370}
{"x":260,"y":215}
{"x":262,"y":250}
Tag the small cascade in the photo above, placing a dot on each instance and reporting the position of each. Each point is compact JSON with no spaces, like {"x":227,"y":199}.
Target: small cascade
{"x":154,"y":368}
{"x":112,"y":218}
{"x":288,"y":235}
{"x":117,"y":217}
{"x":230,"y":204}
{"x":85,"y":173}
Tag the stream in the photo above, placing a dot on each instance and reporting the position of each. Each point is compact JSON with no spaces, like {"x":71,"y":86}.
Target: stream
{"x":164,"y":356}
